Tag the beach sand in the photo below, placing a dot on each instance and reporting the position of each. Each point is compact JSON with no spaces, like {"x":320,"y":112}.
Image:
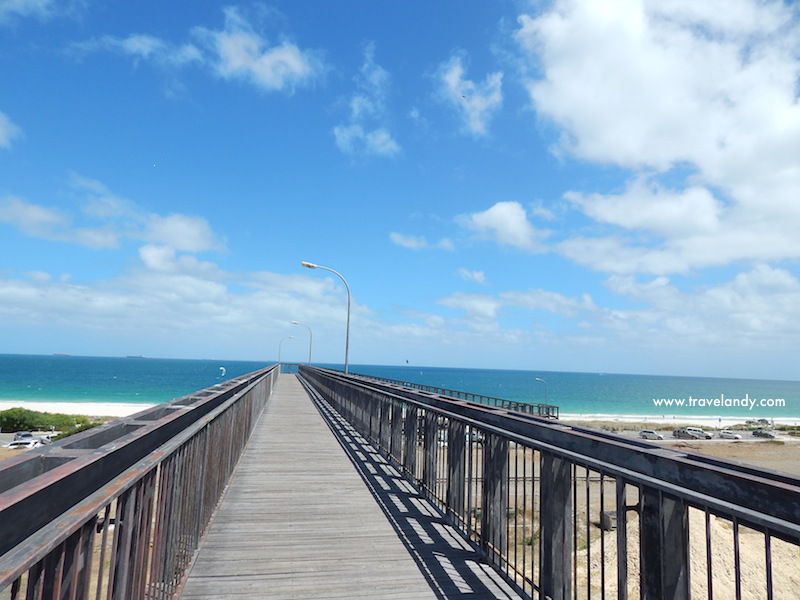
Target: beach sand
{"x":88,"y":409}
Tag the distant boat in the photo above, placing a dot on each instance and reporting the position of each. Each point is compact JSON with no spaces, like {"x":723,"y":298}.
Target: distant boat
{"x":61,"y":354}
{"x":134,"y":356}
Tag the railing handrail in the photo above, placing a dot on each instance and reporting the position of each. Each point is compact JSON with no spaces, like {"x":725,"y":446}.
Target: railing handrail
{"x":668,"y":482}
{"x":81,"y":474}
{"x":537,"y":408}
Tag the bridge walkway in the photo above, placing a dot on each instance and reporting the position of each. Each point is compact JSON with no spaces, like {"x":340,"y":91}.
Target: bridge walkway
{"x":313,"y":511}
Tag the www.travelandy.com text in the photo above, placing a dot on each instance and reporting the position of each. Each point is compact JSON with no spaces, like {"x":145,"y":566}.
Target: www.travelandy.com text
{"x":746,"y":402}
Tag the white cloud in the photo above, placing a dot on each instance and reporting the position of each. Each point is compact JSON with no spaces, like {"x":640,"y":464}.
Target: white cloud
{"x":145,"y":47}
{"x":8,"y":131}
{"x":181,"y":232}
{"x":762,"y":307}
{"x":105,"y":220}
{"x":475,"y":276}
{"x":508,"y":225}
{"x":549,"y":301}
{"x":419,"y":242}
{"x":408,"y":241}
{"x":353,"y":139}
{"x":33,"y":220}
{"x":239,"y":52}
{"x":481,"y":309}
{"x":649,"y":206}
{"x":235,"y":52}
{"x":699,"y":96}
{"x":476,"y":103}
{"x":366,"y":132}
{"x":25,"y":8}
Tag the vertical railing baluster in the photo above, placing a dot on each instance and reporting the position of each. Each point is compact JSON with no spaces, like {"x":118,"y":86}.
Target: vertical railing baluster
{"x":664,"y":546}
{"x":622,"y":539}
{"x":456,"y":456}
{"x":494,"y":511}
{"x":557,"y":477}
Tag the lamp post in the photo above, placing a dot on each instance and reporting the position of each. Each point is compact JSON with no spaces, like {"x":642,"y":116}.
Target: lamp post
{"x":310,"y":337}
{"x":280,"y":344}
{"x":545,"y":388}
{"x":309,"y":265}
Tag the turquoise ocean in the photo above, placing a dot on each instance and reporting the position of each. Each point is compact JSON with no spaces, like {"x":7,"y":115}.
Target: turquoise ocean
{"x":35,"y":378}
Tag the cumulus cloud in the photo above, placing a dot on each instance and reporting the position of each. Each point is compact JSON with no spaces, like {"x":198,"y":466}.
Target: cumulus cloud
{"x":475,"y":103}
{"x":366,"y":132}
{"x":506,"y":223}
{"x":8,"y":131}
{"x":699,"y":102}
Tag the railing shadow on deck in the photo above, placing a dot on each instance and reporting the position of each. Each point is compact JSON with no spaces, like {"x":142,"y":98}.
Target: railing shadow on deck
{"x":452,"y":565}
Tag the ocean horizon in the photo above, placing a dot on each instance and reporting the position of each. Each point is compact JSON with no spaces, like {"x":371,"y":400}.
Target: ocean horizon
{"x":146,"y":381}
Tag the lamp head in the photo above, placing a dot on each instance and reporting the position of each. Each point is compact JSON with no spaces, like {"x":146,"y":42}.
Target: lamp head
{"x":308,"y":265}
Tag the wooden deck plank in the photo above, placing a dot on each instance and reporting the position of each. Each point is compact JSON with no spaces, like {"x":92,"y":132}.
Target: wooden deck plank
{"x":299,"y":521}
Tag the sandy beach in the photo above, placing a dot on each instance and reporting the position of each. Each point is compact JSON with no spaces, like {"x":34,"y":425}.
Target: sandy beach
{"x":779,"y":455}
{"x":671,"y":421}
{"x":88,"y":409}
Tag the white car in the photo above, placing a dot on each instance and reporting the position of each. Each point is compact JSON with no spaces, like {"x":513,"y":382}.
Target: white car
{"x":649,"y":434}
{"x":703,"y":435}
{"x":24,"y":444}
{"x":729,"y":435}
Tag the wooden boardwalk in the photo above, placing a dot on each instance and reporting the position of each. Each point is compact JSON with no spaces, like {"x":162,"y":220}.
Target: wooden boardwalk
{"x":314,"y":512}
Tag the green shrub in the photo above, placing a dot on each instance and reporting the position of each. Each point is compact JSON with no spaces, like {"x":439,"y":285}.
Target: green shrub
{"x":21,"y":419}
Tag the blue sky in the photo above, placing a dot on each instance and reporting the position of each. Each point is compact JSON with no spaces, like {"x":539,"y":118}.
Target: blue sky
{"x":572,"y":185}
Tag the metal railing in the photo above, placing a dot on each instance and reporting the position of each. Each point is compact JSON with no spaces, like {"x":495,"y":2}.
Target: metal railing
{"x":549,"y":411}
{"x":118,"y":512}
{"x":569,"y":513}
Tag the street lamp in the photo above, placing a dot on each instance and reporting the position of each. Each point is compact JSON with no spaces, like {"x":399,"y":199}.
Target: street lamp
{"x":280,"y":344}
{"x":309,"y":265}
{"x":545,"y":388}
{"x":310,"y":337}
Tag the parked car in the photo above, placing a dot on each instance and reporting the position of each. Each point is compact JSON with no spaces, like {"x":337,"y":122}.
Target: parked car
{"x":24,"y":444}
{"x":725,"y":434}
{"x":763,"y":433}
{"x":649,"y":434}
{"x":685,"y":434}
{"x":701,"y":434}
{"x":23,"y":435}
